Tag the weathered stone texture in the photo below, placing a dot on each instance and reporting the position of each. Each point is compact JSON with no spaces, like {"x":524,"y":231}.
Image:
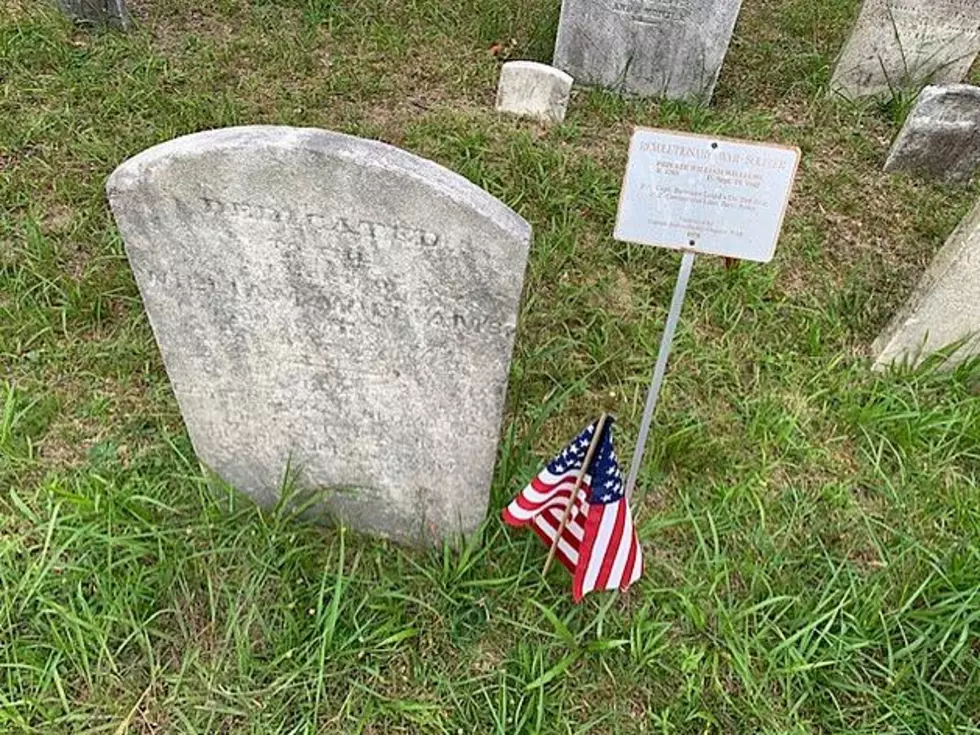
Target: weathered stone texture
{"x":334,"y":305}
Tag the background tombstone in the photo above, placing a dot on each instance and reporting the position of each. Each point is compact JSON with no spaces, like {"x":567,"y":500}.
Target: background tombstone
{"x":97,"y":12}
{"x":671,"y":48}
{"x":945,"y":307}
{"x":900,"y":44}
{"x":332,"y":304}
{"x":941,"y":137}
{"x":530,"y":89}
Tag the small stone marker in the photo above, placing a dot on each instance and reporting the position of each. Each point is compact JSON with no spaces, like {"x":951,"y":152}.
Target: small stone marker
{"x":98,"y":12}
{"x":530,"y":89}
{"x":941,"y":137}
{"x":653,"y":48}
{"x":331,"y":305}
{"x":899,"y":44}
{"x":705,"y":194}
{"x":944,"y":308}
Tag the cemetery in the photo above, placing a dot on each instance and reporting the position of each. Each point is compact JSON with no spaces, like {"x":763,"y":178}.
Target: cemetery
{"x":304,"y":306}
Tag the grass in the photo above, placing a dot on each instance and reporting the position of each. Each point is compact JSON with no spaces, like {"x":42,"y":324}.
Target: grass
{"x":812,"y":529}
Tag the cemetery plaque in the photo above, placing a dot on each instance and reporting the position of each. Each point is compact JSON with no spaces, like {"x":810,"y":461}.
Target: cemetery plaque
{"x":331,"y":305}
{"x":705,"y":194}
{"x":898,"y":44}
{"x":670,"y":48}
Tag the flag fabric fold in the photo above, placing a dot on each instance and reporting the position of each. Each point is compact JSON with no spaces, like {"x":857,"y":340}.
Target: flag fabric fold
{"x":599,"y":545}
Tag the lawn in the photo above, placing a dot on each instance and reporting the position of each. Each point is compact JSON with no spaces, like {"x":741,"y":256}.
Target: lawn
{"x":812,"y":529}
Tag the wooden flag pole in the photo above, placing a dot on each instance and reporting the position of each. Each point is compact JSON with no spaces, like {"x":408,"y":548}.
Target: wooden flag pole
{"x":599,"y":427}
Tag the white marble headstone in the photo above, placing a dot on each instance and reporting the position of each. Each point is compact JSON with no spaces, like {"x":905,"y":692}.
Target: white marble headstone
{"x":944,"y":309}
{"x":333,"y":305}
{"x":534,"y":90}
{"x":652,"y":48}
{"x":903,"y":44}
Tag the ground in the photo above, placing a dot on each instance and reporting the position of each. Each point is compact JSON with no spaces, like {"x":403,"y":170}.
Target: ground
{"x":812,"y":528}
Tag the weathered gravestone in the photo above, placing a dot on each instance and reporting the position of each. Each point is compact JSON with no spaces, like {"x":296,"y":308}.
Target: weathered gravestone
{"x":941,"y":137}
{"x":944,"y":309}
{"x":97,"y":12}
{"x":334,"y":305}
{"x":530,"y":89}
{"x":900,"y":44}
{"x":670,"y":48}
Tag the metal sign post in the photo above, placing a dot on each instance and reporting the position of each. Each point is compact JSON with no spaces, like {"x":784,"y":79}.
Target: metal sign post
{"x":653,"y":394}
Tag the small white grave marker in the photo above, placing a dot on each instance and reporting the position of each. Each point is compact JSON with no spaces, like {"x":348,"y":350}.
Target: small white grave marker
{"x":707,"y":195}
{"x":700,"y":194}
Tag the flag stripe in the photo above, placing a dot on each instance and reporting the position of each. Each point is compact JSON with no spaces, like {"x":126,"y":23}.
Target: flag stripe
{"x":620,"y":567}
{"x":573,"y":529}
{"x":547,"y":479}
{"x":592,"y":522}
{"x":529,"y":503}
{"x":524,"y":507}
{"x":593,"y":564}
{"x":626,"y":581}
{"x":613,"y":547}
{"x":566,"y":552}
{"x":516,"y":514}
{"x":523,"y":515}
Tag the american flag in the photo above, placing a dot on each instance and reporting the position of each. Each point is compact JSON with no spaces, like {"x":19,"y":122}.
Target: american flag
{"x":599,"y":545}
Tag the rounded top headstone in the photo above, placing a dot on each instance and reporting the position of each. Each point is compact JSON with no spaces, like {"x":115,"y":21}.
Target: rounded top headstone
{"x":333,"y":313}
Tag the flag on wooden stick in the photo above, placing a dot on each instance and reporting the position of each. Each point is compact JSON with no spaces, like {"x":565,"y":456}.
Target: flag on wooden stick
{"x":577,"y":506}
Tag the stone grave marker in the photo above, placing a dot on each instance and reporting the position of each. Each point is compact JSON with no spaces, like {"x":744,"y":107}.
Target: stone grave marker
{"x":941,"y":137}
{"x":899,"y":44}
{"x":944,"y":309}
{"x":98,"y":12}
{"x":653,"y":48}
{"x":530,"y":89}
{"x":332,"y":305}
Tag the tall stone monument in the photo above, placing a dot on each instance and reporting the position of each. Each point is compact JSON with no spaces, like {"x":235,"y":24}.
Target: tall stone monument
{"x":941,"y":137}
{"x":98,"y":12}
{"x":944,"y":309}
{"x":334,"y":306}
{"x":653,"y":48}
{"x":901,"y":44}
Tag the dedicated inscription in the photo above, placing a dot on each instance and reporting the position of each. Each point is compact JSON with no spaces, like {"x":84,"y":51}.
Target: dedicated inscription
{"x":379,"y":301}
{"x":318,"y":221}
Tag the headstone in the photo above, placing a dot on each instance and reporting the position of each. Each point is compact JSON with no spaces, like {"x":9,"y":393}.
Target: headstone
{"x":899,"y":44}
{"x":530,"y":89}
{"x":653,"y":48}
{"x":944,"y":309}
{"x":331,"y":305}
{"x":941,"y":137}
{"x":98,"y":12}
